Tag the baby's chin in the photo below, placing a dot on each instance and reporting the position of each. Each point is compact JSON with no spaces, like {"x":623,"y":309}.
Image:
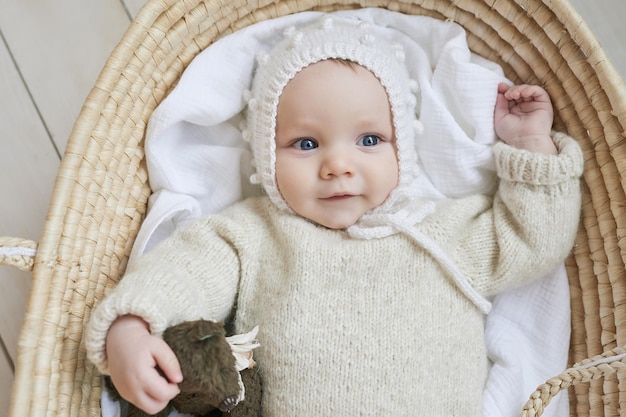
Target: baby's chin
{"x":337,"y":223}
{"x":331,"y":218}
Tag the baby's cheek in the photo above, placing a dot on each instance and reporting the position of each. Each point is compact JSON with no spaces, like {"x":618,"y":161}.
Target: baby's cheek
{"x":290,"y":183}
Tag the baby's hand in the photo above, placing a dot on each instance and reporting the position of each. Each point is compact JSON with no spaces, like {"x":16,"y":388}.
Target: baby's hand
{"x":523,"y":117}
{"x":133,"y":355}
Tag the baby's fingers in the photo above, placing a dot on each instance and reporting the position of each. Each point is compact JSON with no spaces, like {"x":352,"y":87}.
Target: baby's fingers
{"x":526,"y":92}
{"x":157,"y":395}
{"x":156,"y":384}
{"x":149,"y":404}
{"x":502,"y":108}
{"x":167,"y":361}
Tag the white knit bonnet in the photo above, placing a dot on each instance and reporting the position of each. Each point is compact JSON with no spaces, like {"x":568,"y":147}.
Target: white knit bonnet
{"x":330,"y":38}
{"x":352,"y":40}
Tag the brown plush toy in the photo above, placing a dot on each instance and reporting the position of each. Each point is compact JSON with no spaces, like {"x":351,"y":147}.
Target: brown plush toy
{"x":210,"y":386}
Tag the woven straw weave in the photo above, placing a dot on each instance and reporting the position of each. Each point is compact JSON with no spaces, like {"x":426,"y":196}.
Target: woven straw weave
{"x":101,"y":190}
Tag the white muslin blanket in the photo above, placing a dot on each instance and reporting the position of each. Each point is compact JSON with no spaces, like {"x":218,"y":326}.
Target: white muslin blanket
{"x":198,"y":164}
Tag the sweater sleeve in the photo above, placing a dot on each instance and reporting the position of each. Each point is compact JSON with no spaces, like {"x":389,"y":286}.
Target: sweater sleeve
{"x":532,"y":224}
{"x":193,"y":274}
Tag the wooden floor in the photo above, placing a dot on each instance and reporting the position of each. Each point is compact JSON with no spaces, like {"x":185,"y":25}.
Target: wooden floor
{"x":50,"y":55}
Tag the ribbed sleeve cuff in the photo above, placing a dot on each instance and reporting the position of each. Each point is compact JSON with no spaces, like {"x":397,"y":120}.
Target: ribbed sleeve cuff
{"x":146,"y":305}
{"x":520,"y":165}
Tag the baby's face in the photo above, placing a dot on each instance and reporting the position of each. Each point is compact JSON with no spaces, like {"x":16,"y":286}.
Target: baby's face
{"x":335,"y":147}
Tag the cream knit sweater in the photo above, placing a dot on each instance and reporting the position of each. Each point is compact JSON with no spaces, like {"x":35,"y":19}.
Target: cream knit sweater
{"x":354,"y":327}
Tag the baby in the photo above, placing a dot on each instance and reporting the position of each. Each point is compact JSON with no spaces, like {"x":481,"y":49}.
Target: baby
{"x":370,"y":301}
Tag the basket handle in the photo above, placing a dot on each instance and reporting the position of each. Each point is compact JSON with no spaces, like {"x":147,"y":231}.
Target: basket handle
{"x":588,"y":370}
{"x":17,"y":252}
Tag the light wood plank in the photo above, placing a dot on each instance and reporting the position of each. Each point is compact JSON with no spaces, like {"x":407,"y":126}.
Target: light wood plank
{"x":28,"y":164}
{"x":6,"y":380}
{"x":14,"y":286}
{"x":60,"y":47}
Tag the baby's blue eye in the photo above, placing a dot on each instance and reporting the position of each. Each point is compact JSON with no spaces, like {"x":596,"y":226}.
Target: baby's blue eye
{"x":369,"y":140}
{"x":305,"y":144}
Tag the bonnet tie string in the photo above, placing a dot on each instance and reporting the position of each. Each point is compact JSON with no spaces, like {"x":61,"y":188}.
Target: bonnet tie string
{"x":373,"y":226}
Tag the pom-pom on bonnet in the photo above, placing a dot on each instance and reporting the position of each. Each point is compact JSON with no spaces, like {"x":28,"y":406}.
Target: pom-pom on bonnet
{"x":331,"y":38}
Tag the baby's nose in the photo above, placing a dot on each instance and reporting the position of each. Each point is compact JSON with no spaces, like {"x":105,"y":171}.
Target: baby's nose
{"x":336,"y":165}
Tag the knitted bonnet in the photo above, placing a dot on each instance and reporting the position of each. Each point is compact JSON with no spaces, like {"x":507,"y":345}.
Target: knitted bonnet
{"x":330,"y":38}
{"x":352,"y":40}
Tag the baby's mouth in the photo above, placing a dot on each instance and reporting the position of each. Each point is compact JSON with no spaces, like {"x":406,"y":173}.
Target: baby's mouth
{"x":338,"y":197}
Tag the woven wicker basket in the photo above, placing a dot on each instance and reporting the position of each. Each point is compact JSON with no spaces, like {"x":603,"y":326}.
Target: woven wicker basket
{"x":101,"y":189}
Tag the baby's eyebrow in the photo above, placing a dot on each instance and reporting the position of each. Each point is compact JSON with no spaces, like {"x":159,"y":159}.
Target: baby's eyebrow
{"x":378,"y":126}
{"x":302,"y":127}
{"x":303,"y":122}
